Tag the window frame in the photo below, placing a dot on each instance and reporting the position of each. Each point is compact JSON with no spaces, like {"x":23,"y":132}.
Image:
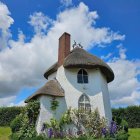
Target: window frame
{"x":85,"y":104}
{"x":82,"y":77}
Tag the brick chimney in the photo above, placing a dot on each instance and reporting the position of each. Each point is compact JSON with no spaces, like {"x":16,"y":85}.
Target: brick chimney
{"x":64,"y":48}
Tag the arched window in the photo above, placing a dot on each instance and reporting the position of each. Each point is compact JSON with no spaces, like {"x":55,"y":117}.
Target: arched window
{"x":82,"y":76}
{"x":84,"y":103}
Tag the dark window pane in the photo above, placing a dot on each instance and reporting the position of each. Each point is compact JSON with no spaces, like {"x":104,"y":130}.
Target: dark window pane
{"x":80,"y":72}
{"x":85,"y":79}
{"x":79,"y":78}
{"x":84,"y":72}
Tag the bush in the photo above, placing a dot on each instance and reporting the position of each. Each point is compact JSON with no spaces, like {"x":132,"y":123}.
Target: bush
{"x":23,"y":126}
{"x":7,"y":114}
{"x":122,"y":136}
{"x":16,"y":123}
{"x":130,"y":114}
{"x":14,"y":136}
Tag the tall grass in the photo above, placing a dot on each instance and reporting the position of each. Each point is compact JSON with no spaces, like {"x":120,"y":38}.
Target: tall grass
{"x":5,"y":132}
{"x":134,"y":134}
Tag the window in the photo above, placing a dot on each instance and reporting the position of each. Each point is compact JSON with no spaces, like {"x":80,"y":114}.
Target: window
{"x":82,"y":76}
{"x":84,"y":103}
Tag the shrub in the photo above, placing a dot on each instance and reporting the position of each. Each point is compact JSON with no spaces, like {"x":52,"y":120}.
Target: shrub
{"x":122,"y":136}
{"x":32,"y":111}
{"x":7,"y":114}
{"x":14,"y":136}
{"x":16,"y":123}
{"x":130,"y":114}
{"x":25,"y":122}
{"x":92,"y":122}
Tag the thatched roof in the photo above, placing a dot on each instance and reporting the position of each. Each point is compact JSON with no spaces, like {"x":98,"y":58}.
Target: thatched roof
{"x":79,"y":58}
{"x":51,"y":70}
{"x":51,"y":88}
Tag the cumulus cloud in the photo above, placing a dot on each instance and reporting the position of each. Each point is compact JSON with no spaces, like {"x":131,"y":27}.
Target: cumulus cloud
{"x":124,"y":89}
{"x":23,"y":64}
{"x":122,"y":51}
{"x":7,"y":101}
{"x":133,"y":99}
{"x":105,"y":57}
{"x":40,"y":22}
{"x":5,"y":22}
{"x":66,"y":2}
{"x":21,"y":103}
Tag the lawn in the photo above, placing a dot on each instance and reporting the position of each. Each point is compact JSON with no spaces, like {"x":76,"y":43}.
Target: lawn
{"x":5,"y":132}
{"x":134,"y":134}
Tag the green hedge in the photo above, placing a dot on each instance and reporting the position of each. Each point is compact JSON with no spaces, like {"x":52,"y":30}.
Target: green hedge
{"x":131,"y":114}
{"x":7,"y":114}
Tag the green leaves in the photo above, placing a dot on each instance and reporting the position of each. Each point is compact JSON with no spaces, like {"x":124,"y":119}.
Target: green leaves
{"x":54,"y":104}
{"x":131,"y":114}
{"x":26,"y":121}
{"x":66,"y":118}
{"x":7,"y":114}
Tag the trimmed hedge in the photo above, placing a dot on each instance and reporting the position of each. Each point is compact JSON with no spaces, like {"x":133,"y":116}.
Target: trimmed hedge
{"x":7,"y":114}
{"x":131,"y":114}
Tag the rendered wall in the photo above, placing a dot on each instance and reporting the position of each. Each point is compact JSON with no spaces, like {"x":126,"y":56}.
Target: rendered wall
{"x":96,"y":89}
{"x":46,"y":113}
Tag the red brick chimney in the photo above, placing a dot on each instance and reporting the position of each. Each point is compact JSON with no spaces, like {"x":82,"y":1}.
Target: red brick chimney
{"x":64,"y":48}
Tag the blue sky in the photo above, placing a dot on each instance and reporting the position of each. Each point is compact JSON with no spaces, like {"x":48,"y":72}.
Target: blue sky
{"x":106,"y":28}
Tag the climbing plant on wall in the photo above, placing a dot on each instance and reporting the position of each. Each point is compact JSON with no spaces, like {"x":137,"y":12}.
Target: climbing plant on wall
{"x":54,"y":104}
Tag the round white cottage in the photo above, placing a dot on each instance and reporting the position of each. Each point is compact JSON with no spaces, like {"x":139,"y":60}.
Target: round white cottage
{"x":77,"y":80}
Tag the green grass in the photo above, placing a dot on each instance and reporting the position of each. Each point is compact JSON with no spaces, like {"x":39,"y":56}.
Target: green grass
{"x":134,"y":134}
{"x":5,"y":132}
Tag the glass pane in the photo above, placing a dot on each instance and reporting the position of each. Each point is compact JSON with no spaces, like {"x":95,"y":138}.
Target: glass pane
{"x":81,"y":99}
{"x":80,"y":72}
{"x":85,"y":78}
{"x":84,"y":72}
{"x":79,"y":78}
{"x":87,"y":107}
{"x":86,"y":99}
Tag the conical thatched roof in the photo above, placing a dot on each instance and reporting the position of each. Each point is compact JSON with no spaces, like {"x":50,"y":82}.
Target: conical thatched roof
{"x":51,"y":88}
{"x":79,"y":58}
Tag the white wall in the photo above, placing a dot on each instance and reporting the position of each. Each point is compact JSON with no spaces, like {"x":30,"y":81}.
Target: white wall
{"x":106,"y":97}
{"x":45,"y":110}
{"x":52,"y":76}
{"x":96,"y":89}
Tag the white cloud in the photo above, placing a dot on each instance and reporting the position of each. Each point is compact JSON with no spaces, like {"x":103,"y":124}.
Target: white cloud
{"x":79,"y":22}
{"x":7,"y":101}
{"x":5,"y":23}
{"x":40,"y":22}
{"x":124,"y":89}
{"x":24,"y":64}
{"x":21,"y":103}
{"x":133,"y":99}
{"x":122,"y":51}
{"x":66,"y":2}
{"x":106,"y":56}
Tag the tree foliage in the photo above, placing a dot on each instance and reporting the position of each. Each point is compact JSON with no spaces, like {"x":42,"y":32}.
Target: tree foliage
{"x":131,"y":114}
{"x":7,"y":114}
{"x":26,"y":121}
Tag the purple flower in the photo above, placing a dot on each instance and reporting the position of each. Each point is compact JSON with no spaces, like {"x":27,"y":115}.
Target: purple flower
{"x":113,"y":128}
{"x":104,"y":131}
{"x":61,"y":134}
{"x":50,"y":132}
